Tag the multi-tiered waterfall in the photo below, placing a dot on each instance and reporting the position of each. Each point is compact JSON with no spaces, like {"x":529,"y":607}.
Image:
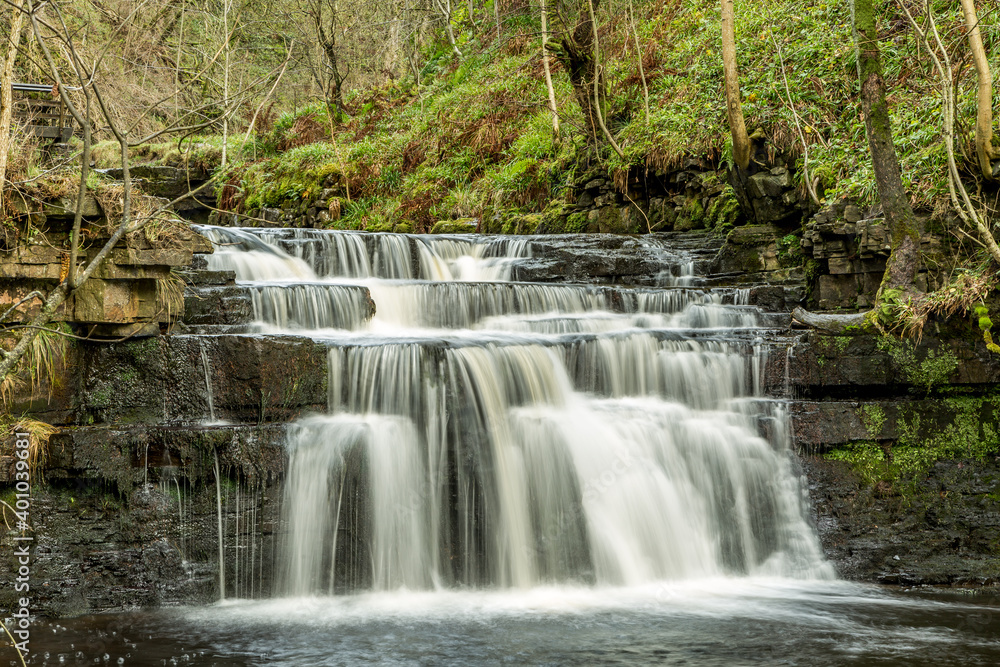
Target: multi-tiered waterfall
{"x":485,"y":432}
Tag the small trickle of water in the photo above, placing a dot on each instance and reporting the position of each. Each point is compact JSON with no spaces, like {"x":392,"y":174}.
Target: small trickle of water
{"x":206,"y":366}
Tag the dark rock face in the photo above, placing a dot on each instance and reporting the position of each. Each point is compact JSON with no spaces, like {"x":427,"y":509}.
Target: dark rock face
{"x":943,"y":533}
{"x":127,"y":517}
{"x":611,"y":259}
{"x":939,"y":526}
{"x":170,"y":183}
{"x":850,"y":253}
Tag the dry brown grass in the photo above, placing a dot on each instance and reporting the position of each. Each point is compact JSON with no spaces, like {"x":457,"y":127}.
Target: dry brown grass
{"x":42,"y":363}
{"x":413,"y":156}
{"x":231,"y":196}
{"x":307,"y":129}
{"x":170,"y":295}
{"x":960,"y":296}
{"x":39,"y":433}
{"x":417,"y":208}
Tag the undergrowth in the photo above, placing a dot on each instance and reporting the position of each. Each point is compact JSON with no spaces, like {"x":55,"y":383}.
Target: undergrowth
{"x":473,"y":137}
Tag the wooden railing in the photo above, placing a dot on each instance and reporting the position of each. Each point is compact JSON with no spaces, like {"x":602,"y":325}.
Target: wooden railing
{"x":45,"y":118}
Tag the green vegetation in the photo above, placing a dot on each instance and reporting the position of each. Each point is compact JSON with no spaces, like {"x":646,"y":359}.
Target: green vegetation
{"x":472,"y":137}
{"x":930,"y":371}
{"x":903,"y":463}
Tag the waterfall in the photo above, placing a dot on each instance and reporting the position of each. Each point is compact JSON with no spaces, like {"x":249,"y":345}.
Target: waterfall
{"x":208,"y":380}
{"x":489,"y":433}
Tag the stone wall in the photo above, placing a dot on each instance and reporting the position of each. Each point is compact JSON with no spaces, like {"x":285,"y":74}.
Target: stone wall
{"x":124,"y":296}
{"x":849,"y":252}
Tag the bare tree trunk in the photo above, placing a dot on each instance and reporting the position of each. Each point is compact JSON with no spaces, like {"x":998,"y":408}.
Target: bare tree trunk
{"x":942,"y":62}
{"x":734,"y":108}
{"x":575,"y":50}
{"x":177,"y":65}
{"x":496,"y":15}
{"x":444,"y":7}
{"x":904,"y":257}
{"x":225,"y":81}
{"x":984,"y":118}
{"x":548,"y":73}
{"x":6,"y":96}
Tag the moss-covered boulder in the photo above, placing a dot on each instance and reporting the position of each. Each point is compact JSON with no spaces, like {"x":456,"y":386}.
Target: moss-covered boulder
{"x":460,"y":226}
{"x":522,"y":224}
{"x":555,"y":218}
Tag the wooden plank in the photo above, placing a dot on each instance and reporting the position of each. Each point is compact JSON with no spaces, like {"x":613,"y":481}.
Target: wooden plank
{"x":50,"y":132}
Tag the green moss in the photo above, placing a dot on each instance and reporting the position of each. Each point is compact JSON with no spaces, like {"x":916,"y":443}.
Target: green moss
{"x":971,"y":434}
{"x":724,"y":209}
{"x":521,"y":224}
{"x":298,"y":175}
{"x":982,"y":315}
{"x":556,"y":216}
{"x":697,"y":213}
{"x":576,"y":222}
{"x":929,"y":370}
{"x":466,"y":226}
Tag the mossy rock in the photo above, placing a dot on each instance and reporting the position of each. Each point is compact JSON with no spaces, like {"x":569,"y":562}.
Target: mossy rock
{"x":554,"y":217}
{"x":403,"y":228}
{"x":754,"y":235}
{"x":522,"y":224}
{"x":461,"y":226}
{"x":576,"y":223}
{"x":381,"y":226}
{"x":691,"y":216}
{"x":724,"y":209}
{"x":614,"y":220}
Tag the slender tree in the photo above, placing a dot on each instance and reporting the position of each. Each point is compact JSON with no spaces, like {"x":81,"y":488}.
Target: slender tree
{"x":328,"y":23}
{"x":638,"y":57}
{"x":963,"y":203}
{"x":444,"y":8}
{"x":904,"y":256}
{"x":579,"y":52}
{"x":985,"y":151}
{"x":548,"y":72}
{"x":734,"y":108}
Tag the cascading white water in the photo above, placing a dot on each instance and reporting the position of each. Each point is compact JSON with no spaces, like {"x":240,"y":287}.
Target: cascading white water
{"x":491,"y":433}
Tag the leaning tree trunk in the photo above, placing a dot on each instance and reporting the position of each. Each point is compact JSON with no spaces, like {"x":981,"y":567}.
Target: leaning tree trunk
{"x":984,"y":117}
{"x":904,"y":256}
{"x":734,"y":109}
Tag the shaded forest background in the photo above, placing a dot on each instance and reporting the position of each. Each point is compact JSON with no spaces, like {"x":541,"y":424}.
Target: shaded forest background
{"x":435,"y":110}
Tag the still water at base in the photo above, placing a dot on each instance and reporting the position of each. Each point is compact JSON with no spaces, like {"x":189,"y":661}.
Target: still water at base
{"x":708,"y":622}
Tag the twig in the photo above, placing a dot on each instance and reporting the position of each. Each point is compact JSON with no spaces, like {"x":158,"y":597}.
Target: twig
{"x":31,"y":295}
{"x":810,"y":187}
{"x":86,"y":338}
